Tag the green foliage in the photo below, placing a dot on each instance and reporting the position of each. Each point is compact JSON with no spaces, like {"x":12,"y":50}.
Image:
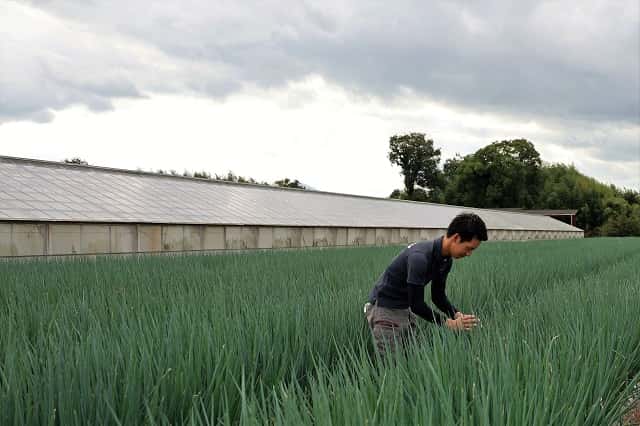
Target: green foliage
{"x":229,"y":177}
{"x":419,"y":194}
{"x":279,"y":338}
{"x":602,"y":209}
{"x":398,"y":195}
{"x":203,"y":175}
{"x":500,"y":175}
{"x":630,"y":196}
{"x":287,"y":183}
{"x":623,"y":221}
{"x":510,"y":174}
{"x":232,"y":177}
{"x":418,"y":160}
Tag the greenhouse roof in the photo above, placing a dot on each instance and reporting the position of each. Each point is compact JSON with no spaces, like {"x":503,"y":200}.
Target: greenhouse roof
{"x":546,"y":212}
{"x":35,"y":190}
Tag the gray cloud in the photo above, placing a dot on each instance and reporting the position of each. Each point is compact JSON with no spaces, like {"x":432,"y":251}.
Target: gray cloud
{"x":45,"y":67}
{"x":575,"y":65}
{"x":531,"y":58}
{"x":612,"y":144}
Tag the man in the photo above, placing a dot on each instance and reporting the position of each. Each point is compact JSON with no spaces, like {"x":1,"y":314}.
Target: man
{"x":399,"y":292}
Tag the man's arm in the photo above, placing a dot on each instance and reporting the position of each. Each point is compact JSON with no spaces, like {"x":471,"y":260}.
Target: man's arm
{"x":416,"y":276}
{"x":458,"y":320}
{"x":439,"y":297}
{"x":418,"y":307}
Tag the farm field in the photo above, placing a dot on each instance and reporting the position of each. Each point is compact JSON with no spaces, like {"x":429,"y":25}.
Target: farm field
{"x":279,"y":337}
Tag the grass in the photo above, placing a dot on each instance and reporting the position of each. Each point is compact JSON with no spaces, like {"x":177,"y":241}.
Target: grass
{"x":279,"y":338}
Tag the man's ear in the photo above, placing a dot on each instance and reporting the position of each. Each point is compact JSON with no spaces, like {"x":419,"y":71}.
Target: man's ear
{"x":456,"y":238}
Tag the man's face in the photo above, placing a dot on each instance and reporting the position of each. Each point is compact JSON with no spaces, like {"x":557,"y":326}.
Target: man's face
{"x":461,"y":249}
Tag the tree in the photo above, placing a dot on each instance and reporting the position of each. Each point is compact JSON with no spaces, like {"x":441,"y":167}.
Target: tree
{"x":502,"y":174}
{"x":203,"y":175}
{"x":632,"y":197}
{"x":418,"y":160}
{"x":287,"y":183}
{"x":623,"y":219}
{"x":419,"y":194}
{"x":450,"y":168}
{"x":566,"y":188}
{"x":398,"y":195}
{"x":510,"y":174}
{"x":232,"y":177}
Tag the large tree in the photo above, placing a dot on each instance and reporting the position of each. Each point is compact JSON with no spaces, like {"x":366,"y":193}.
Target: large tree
{"x":418,"y":160}
{"x":502,"y":174}
{"x":623,"y":219}
{"x":510,"y":174}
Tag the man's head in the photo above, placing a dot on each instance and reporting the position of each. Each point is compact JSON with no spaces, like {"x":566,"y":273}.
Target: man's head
{"x":464,"y":235}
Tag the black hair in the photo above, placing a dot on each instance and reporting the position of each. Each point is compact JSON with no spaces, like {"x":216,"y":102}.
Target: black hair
{"x":468,"y":226}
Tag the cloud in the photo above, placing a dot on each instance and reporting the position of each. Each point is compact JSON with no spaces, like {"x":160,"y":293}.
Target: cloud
{"x":330,"y":140}
{"x":50,"y":63}
{"x":530,"y":58}
{"x":606,"y":142}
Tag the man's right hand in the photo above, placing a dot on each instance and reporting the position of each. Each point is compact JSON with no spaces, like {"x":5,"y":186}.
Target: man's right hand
{"x":462,"y":322}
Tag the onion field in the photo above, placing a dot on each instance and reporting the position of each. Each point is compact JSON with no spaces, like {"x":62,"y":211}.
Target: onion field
{"x":279,"y":337}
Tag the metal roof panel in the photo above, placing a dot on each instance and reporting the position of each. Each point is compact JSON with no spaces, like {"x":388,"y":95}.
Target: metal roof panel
{"x":49,"y":191}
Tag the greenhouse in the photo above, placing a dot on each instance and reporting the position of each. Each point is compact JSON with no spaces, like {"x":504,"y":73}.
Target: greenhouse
{"x":51,"y":208}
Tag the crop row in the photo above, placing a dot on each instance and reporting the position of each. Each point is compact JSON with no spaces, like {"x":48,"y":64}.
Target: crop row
{"x":278,"y":337}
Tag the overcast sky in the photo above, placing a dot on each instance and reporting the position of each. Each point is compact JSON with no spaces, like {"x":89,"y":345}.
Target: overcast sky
{"x":314,"y":90}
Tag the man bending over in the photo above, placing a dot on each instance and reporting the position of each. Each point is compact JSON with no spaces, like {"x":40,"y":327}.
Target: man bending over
{"x":398,"y":295}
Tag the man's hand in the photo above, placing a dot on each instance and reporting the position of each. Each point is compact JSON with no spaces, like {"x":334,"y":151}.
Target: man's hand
{"x":462,"y":322}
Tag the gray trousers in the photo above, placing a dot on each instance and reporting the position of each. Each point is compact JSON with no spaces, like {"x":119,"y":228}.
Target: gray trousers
{"x":390,"y":328}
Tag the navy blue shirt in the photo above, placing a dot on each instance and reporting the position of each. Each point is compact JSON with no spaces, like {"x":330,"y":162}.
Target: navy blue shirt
{"x":417,"y":265}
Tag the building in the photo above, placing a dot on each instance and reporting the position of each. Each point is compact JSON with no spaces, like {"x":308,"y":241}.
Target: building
{"x":51,"y":208}
{"x":566,"y":216}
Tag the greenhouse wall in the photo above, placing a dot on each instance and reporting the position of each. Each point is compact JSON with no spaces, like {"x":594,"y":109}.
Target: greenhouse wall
{"x":41,"y":239}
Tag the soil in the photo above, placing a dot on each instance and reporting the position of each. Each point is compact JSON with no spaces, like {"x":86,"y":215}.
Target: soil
{"x":633,"y":416}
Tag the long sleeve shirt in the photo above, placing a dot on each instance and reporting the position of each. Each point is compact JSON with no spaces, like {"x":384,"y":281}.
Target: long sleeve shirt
{"x":402,"y":284}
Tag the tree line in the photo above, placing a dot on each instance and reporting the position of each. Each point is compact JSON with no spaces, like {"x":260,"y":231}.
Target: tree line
{"x":228,"y":177}
{"x":511,"y":174}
